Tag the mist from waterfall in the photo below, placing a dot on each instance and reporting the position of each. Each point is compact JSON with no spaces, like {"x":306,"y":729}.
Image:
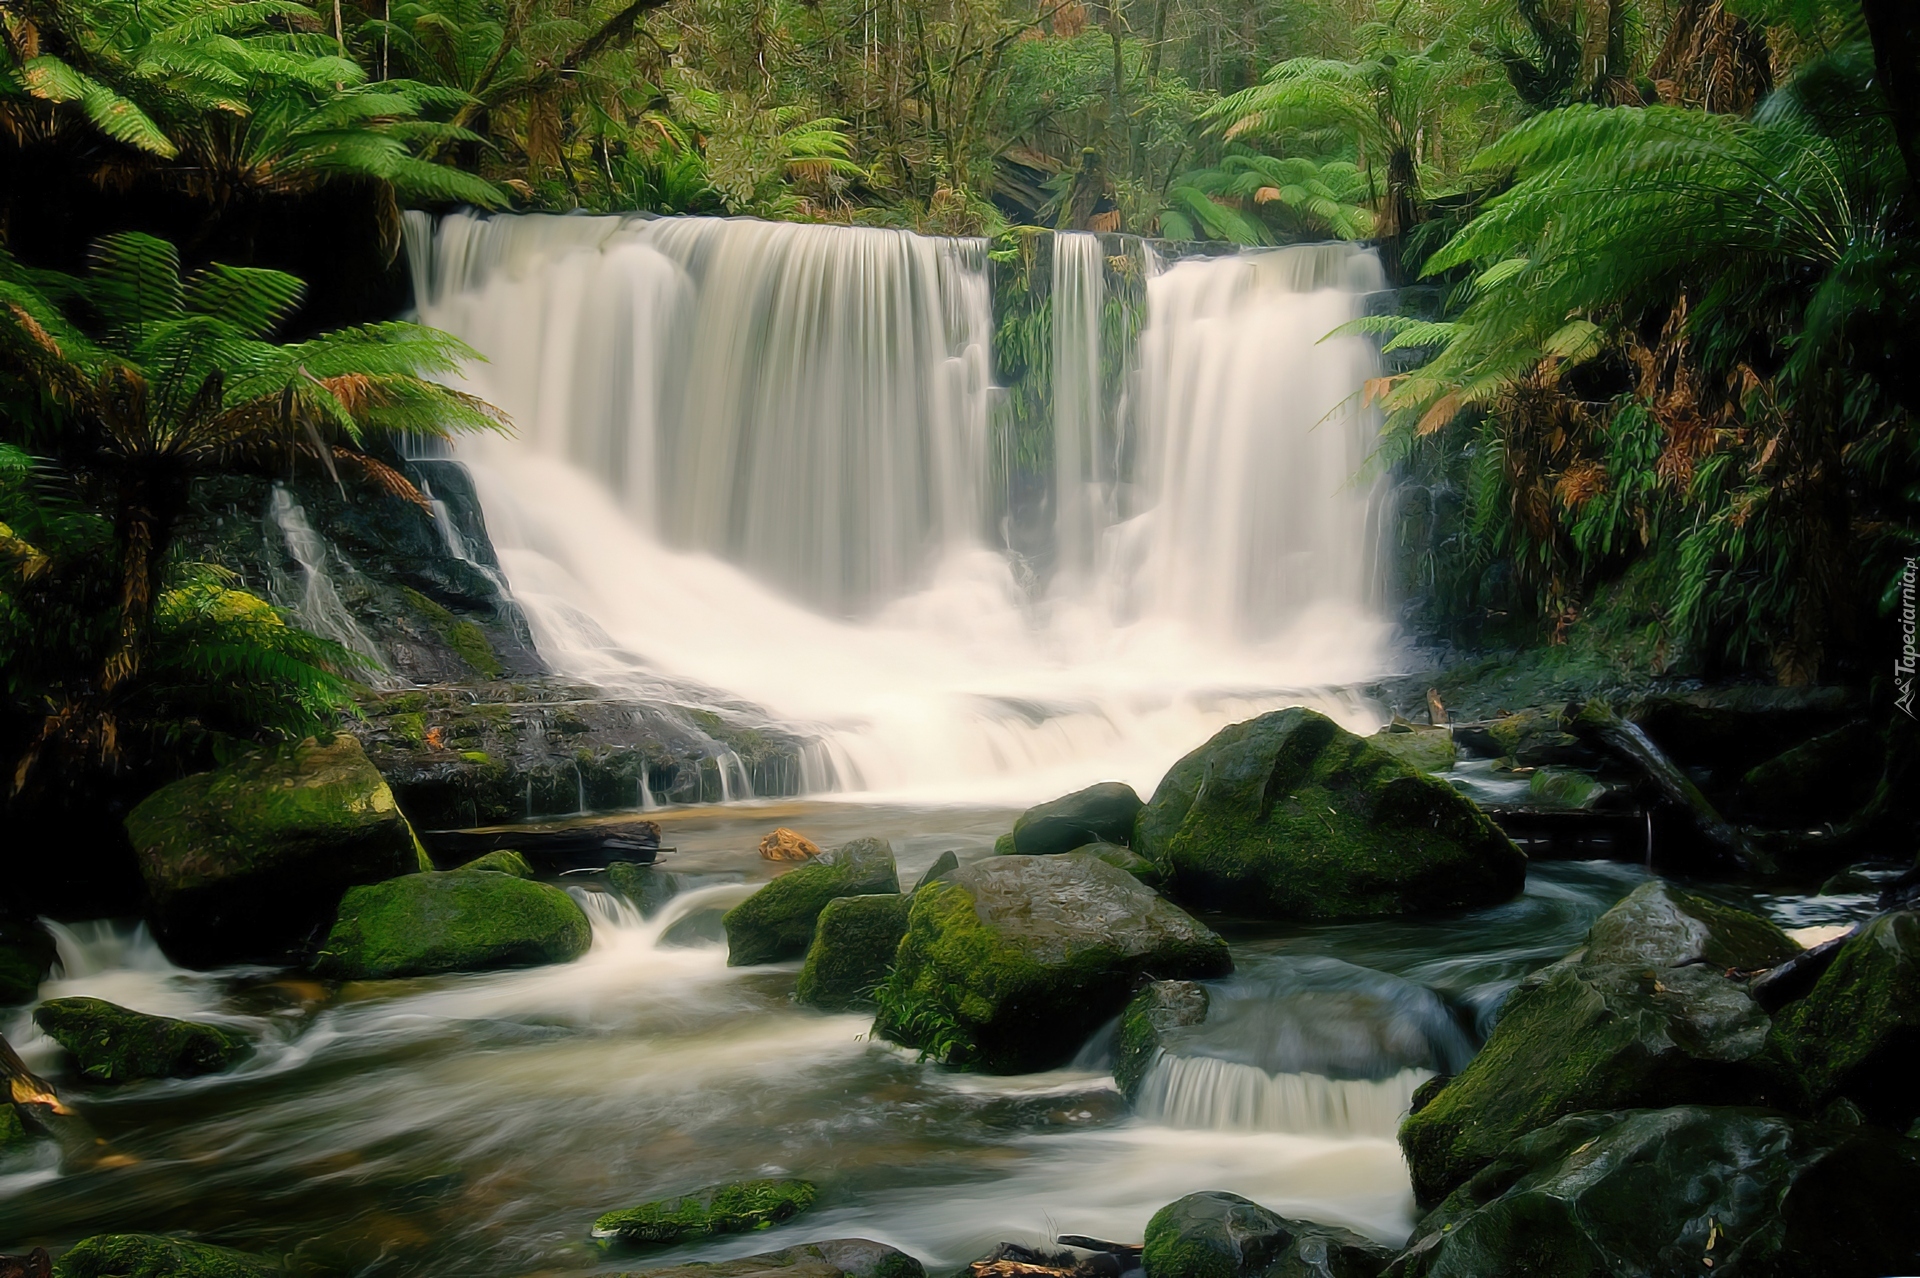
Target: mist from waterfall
{"x":753,"y":460}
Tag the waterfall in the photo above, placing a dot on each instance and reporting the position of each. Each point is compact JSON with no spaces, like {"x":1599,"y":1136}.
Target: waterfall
{"x":313,"y":600}
{"x":1217,"y":1095}
{"x":755,"y":458}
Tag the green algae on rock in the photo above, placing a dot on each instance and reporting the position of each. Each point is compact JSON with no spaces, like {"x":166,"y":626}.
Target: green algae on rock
{"x":457,"y":921}
{"x":831,"y":1258}
{"x":1221,"y":1235}
{"x":776,"y":923}
{"x":1291,"y":816}
{"x":246,"y":861}
{"x":114,"y":1044}
{"x":731,"y":1208}
{"x":158,"y":1256}
{"x":853,"y":946}
{"x":1856,"y":1035}
{"x":1663,"y":1192}
{"x":1160,"y":1007}
{"x":1660,"y":924}
{"x":502,"y":861}
{"x":1011,"y":962}
{"x":1102,"y":813}
{"x":1422,"y":749}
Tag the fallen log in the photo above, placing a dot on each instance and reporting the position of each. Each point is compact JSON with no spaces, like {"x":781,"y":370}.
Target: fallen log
{"x":554,"y":848}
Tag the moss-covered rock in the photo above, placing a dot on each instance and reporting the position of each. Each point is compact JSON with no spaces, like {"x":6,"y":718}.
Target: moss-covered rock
{"x":732,"y":1208}
{"x":943,"y":865}
{"x":776,"y":923}
{"x":648,"y":886}
{"x":1827,"y":779}
{"x":1422,"y":749}
{"x":1563,"y":788}
{"x":113,"y":1044}
{"x":1661,"y":925}
{"x":1222,"y":1235}
{"x":26,"y":957}
{"x":1676,"y":1192}
{"x":1122,"y":858}
{"x":852,"y":951}
{"x":504,"y":861}
{"x":1292,"y":816}
{"x":832,"y":1258}
{"x":1533,"y":738}
{"x":247,"y":861}
{"x":459,"y":921}
{"x":157,"y":1256}
{"x":1580,"y":1036}
{"x":13,"y":1132}
{"x":1009,"y":964}
{"x":1101,"y":813}
{"x":1155,"y":1010}
{"x":1857,"y":1033}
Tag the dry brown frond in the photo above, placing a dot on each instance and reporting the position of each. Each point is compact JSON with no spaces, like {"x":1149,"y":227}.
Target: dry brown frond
{"x":1580,"y":483}
{"x":381,"y":476}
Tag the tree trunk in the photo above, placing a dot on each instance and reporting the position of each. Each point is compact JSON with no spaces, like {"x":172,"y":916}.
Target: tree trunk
{"x":1894,"y":26}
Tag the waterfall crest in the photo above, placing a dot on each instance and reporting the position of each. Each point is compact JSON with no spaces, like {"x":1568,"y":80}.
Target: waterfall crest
{"x":1216,"y":1095}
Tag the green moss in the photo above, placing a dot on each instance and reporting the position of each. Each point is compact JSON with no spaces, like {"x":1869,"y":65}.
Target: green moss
{"x":1155,"y":1010}
{"x":155,"y":1256}
{"x":399,"y":703}
{"x":719,"y":1209}
{"x":26,"y":957}
{"x":411,"y":728}
{"x":1660,"y":924}
{"x":463,"y":920}
{"x":1422,"y":749}
{"x":113,"y":1044}
{"x":1857,"y":1032}
{"x":467,"y":639}
{"x":853,"y":946}
{"x":503,"y":861}
{"x":12,"y":1131}
{"x":776,"y":923}
{"x":478,"y":757}
{"x":433,"y":612}
{"x":1004,"y":845}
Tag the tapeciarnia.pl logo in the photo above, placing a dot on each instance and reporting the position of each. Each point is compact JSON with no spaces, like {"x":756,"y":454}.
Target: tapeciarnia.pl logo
{"x":1904,"y":665}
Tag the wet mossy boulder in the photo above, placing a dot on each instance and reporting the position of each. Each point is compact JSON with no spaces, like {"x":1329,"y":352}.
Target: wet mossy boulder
{"x":1827,"y":779}
{"x":852,"y":951}
{"x":832,"y":1258}
{"x":158,"y":1256}
{"x":26,"y":958}
{"x":732,"y":1208}
{"x":648,"y":886}
{"x":776,"y":923}
{"x":1010,"y":963}
{"x":1532,"y":738}
{"x":1122,"y":858}
{"x":1662,"y":925}
{"x":1221,"y":1235}
{"x":943,"y":865}
{"x":457,"y":921}
{"x":114,"y":1044}
{"x":1580,"y":1036}
{"x":1676,"y":1192}
{"x":1856,"y":1034}
{"x":1290,"y":816}
{"x":1564,"y":788}
{"x":1424,"y":749}
{"x":249,"y":860}
{"x":502,"y":861}
{"x":1102,"y":813}
{"x":1154,"y":1012}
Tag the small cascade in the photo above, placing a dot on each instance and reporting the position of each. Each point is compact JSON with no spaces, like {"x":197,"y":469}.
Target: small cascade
{"x":313,"y":600}
{"x":1215,"y":1095}
{"x":1082,"y":455}
{"x":456,"y":542}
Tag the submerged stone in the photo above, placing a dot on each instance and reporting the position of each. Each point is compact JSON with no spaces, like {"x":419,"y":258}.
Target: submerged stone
{"x":504,"y":861}
{"x":246,"y":861}
{"x":458,"y":921}
{"x":1856,"y":1035}
{"x":1221,"y":1235}
{"x":852,"y":950}
{"x":26,"y":957}
{"x":776,"y":923}
{"x":1292,"y":816}
{"x":114,"y":1044}
{"x":732,"y":1208}
{"x":648,"y":886}
{"x":833,"y":1258}
{"x":1660,"y":924}
{"x":1101,"y":813}
{"x":158,"y":1256}
{"x":1012,"y":962}
{"x":1680,"y":1191}
{"x":1159,"y":1008}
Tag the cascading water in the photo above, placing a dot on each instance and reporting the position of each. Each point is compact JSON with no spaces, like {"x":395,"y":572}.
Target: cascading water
{"x":312,"y":599}
{"x":753,"y":457}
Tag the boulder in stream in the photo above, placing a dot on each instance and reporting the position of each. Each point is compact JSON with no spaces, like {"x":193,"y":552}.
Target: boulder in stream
{"x":1102,"y":813}
{"x":114,"y":1044}
{"x":648,"y":886}
{"x":1660,"y":924}
{"x":247,"y":861}
{"x":1856,"y":1035}
{"x":1590,"y":1036}
{"x":26,"y":957}
{"x":731,"y":1208}
{"x":776,"y":923}
{"x":1685,"y":1191}
{"x":788,"y":845}
{"x":852,"y":950}
{"x":1424,"y":749}
{"x":456,"y":921}
{"x":1011,"y":962}
{"x":1291,"y":816}
{"x":1155,"y":1011}
{"x":1222,"y":1235}
{"x":503,"y":861}
{"x":159,"y":1256}
{"x":832,"y":1258}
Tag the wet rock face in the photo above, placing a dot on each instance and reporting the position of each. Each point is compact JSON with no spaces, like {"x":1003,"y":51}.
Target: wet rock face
{"x":1155,"y":1012}
{"x":777,"y":922}
{"x":1662,"y":925}
{"x":852,"y":951}
{"x":1291,"y":816}
{"x":247,"y":861}
{"x":833,"y":1258}
{"x":26,"y":956}
{"x":731,"y":1208}
{"x":457,"y":921}
{"x":113,"y":1044}
{"x":1856,"y":1035}
{"x":1429,"y":749}
{"x":1222,"y":1235}
{"x":1101,"y":813}
{"x":1010,"y":962}
{"x":1665,"y":1192}
{"x":157,"y":1256}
